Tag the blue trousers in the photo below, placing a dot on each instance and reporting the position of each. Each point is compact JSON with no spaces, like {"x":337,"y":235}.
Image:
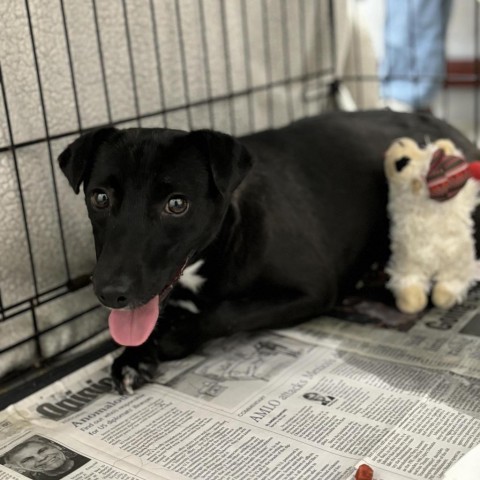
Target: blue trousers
{"x":413,"y":67}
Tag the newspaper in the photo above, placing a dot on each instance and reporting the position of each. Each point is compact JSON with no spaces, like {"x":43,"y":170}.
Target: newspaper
{"x":399,"y":393}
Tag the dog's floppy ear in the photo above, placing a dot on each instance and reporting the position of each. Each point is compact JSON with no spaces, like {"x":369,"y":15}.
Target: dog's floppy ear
{"x":229,"y":160}
{"x":77,"y":159}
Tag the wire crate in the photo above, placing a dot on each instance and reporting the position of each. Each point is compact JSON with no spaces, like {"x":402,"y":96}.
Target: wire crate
{"x":67,"y":66}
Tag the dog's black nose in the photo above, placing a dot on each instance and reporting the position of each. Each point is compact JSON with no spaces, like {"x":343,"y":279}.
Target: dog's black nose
{"x":114,"y":295}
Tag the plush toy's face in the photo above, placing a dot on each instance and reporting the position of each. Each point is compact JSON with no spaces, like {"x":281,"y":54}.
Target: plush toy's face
{"x":406,"y":164}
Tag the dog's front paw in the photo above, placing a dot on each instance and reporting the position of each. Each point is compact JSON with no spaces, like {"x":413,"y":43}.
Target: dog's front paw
{"x":130,"y":371}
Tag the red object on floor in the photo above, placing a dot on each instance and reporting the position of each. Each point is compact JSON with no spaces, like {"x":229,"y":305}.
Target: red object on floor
{"x":364,"y":472}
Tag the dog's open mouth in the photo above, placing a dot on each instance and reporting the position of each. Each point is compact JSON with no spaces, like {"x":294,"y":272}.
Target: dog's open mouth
{"x":132,"y":327}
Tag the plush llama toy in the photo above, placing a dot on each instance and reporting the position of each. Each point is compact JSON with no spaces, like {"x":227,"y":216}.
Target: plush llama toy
{"x":431,"y":199}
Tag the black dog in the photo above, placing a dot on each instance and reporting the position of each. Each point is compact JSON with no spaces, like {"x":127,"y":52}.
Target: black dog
{"x":283,"y":221}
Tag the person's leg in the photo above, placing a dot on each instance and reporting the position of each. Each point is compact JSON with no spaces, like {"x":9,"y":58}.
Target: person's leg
{"x":413,"y":66}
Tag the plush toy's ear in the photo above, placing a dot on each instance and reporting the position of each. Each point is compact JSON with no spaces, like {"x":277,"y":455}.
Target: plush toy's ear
{"x":446,"y":145}
{"x":229,"y":160}
{"x":77,"y":159}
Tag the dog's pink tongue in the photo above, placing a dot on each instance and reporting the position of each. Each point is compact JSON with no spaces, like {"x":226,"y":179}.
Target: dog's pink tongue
{"x":132,"y":327}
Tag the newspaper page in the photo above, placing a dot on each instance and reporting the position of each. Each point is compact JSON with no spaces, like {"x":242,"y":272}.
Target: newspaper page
{"x":437,"y":339}
{"x":272,"y":405}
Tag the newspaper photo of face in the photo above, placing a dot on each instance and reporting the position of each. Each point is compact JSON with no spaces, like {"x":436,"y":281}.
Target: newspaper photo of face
{"x":42,"y":459}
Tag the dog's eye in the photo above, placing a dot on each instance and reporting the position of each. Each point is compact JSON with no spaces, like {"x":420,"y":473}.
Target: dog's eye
{"x":100,"y":200}
{"x":176,"y":205}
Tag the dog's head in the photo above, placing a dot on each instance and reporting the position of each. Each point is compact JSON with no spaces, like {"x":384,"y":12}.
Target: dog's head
{"x":154,"y":198}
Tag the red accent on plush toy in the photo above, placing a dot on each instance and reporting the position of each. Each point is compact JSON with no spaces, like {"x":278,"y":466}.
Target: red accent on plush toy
{"x":447,"y":175}
{"x":474,"y":168}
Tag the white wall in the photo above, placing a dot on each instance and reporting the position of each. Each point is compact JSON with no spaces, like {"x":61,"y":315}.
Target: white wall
{"x":461,"y":29}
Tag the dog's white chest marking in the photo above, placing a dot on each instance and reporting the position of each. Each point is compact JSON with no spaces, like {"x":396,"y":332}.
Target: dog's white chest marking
{"x":185,"y":305}
{"x":191,"y":279}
